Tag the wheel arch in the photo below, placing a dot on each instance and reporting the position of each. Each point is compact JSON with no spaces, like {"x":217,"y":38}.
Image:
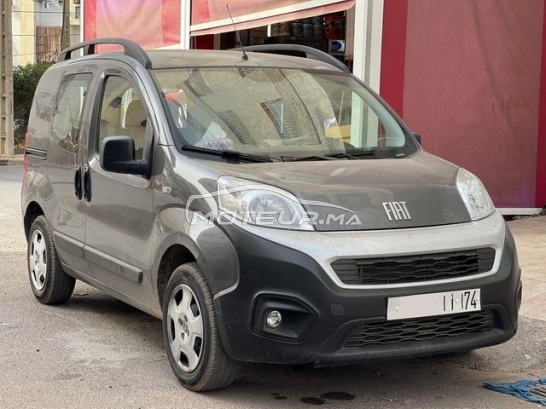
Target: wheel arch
{"x":173,"y":256}
{"x":180,"y":238}
{"x":32,"y":211}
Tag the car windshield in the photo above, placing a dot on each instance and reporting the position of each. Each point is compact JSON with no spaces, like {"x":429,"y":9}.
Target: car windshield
{"x":279,"y":114}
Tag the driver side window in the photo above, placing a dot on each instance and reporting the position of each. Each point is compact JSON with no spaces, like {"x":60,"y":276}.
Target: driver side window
{"x":123,"y":113}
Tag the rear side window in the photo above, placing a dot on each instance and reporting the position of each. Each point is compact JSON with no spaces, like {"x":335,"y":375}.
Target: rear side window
{"x":68,"y":111}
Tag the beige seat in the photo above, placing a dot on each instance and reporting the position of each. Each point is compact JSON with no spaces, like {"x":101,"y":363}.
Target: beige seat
{"x":135,"y":124}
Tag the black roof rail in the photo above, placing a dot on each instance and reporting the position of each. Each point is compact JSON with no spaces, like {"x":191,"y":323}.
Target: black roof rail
{"x":291,"y":49}
{"x":130,"y":48}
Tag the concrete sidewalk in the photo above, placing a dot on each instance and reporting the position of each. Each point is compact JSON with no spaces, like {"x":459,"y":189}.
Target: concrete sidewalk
{"x":530,"y":236}
{"x":16,"y":160}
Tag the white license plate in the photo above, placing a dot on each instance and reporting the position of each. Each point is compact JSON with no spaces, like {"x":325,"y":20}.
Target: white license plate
{"x":427,"y":305}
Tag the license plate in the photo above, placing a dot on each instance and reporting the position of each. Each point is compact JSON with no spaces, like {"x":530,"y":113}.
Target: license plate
{"x":427,"y":305}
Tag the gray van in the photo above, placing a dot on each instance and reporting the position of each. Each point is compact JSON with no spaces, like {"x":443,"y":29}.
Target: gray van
{"x":266,"y":207}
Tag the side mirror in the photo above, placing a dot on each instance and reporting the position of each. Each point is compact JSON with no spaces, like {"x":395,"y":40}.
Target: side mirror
{"x":418,"y":137}
{"x":117,"y":154}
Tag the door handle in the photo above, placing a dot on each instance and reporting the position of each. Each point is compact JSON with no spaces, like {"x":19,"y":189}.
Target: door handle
{"x":78,"y":182}
{"x":87,"y":183}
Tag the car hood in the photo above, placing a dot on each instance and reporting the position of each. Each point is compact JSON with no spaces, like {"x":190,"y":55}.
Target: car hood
{"x":365,"y":194}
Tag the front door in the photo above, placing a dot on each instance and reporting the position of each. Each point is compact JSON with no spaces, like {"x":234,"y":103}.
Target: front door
{"x":119,"y":206}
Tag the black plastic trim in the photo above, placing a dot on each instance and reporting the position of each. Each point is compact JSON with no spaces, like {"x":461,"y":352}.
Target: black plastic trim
{"x":112,"y":264}
{"x":37,"y":153}
{"x":297,"y":318}
{"x":291,"y":48}
{"x":277,"y":272}
{"x":130,"y":48}
{"x":416,"y":268}
{"x":69,"y":244}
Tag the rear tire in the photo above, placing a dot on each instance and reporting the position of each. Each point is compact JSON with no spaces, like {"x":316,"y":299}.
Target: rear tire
{"x":49,"y":283}
{"x":190,"y":332}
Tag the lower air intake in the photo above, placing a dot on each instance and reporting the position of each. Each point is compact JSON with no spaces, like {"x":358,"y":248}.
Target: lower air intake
{"x":419,"y":329}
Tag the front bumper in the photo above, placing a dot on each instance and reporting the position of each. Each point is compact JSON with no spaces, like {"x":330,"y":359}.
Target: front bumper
{"x":324,"y":323}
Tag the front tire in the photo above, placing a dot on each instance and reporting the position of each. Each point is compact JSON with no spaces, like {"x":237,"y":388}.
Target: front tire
{"x":190,"y":332}
{"x":49,"y":283}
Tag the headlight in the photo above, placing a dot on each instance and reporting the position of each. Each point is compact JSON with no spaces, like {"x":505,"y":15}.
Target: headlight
{"x":262,"y":205}
{"x":474,"y":195}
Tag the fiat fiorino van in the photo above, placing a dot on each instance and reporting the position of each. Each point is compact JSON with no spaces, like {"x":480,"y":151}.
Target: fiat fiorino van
{"x":268,"y":208}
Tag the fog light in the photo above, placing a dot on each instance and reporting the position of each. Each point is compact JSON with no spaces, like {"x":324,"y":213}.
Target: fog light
{"x":274,"y":319}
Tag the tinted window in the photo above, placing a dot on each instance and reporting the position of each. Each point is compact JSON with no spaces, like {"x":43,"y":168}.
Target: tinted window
{"x":68,"y":110}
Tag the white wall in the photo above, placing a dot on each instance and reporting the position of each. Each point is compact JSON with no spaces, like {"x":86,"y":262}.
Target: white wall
{"x":16,"y":31}
{"x":368,"y":36}
{"x":48,"y":17}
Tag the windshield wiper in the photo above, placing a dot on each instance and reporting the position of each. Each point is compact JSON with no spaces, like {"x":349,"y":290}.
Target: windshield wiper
{"x":353,"y":154}
{"x":332,"y":156}
{"x":340,"y":155}
{"x":228,"y":155}
{"x":307,"y":158}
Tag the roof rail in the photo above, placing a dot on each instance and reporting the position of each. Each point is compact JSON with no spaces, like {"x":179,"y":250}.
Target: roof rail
{"x":130,"y":48}
{"x":291,"y":48}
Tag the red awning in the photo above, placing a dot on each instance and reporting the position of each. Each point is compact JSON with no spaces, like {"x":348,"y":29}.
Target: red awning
{"x":150,"y":23}
{"x":212,"y":17}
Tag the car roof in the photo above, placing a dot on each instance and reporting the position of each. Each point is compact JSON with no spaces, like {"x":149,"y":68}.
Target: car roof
{"x":271,"y":55}
{"x":219,"y":58}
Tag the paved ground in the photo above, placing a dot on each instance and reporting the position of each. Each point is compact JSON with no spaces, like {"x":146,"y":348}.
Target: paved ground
{"x":98,"y":352}
{"x":531,"y":241}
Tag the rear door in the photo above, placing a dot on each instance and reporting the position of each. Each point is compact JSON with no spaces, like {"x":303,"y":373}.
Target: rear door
{"x":119,"y":206}
{"x":68,"y":132}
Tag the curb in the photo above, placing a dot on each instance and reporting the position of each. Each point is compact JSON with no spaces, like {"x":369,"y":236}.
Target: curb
{"x":16,"y":161}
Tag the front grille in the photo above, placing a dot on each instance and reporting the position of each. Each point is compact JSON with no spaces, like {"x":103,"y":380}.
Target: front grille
{"x":415,"y":268}
{"x":419,"y":329}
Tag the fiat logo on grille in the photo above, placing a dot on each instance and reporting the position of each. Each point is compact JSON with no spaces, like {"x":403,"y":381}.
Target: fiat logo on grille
{"x":396,"y":210}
